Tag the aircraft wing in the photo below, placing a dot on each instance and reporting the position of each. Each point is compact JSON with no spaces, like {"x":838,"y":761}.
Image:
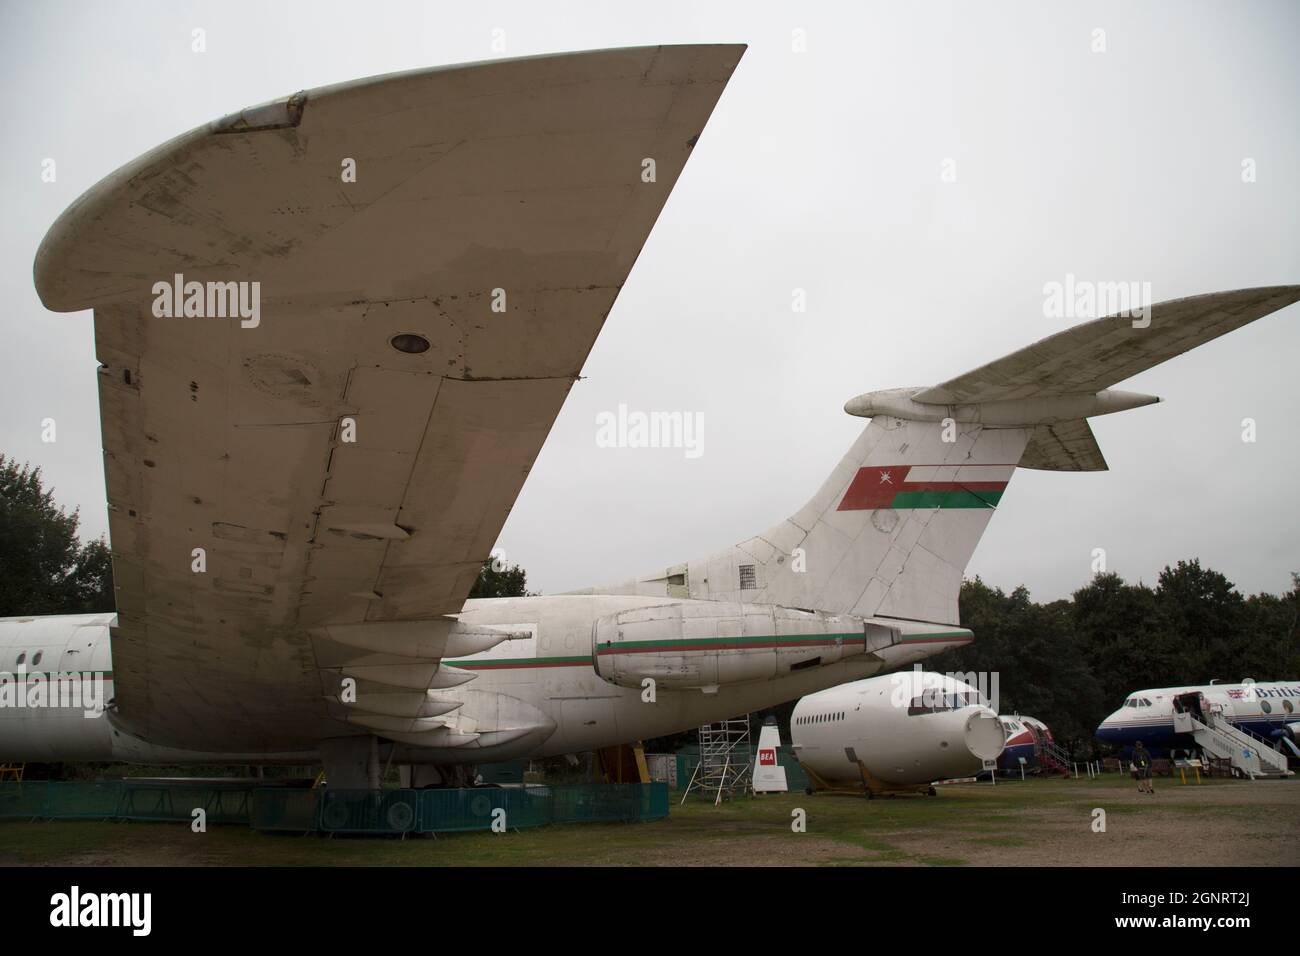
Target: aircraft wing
{"x":269,"y":476}
{"x":1099,"y":354}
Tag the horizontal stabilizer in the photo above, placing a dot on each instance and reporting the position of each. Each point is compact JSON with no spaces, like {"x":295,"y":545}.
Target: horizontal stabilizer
{"x":1098,"y":354}
{"x":1063,"y":446}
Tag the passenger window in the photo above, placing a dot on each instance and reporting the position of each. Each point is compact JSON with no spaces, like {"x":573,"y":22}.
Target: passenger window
{"x":21,"y":657}
{"x":37,"y":659}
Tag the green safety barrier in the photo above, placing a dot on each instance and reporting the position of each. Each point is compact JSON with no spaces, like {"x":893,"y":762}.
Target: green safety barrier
{"x":78,"y":801}
{"x":448,"y":811}
{"x":367,"y":811}
{"x":517,"y":807}
{"x":336,"y":811}
{"x":284,"y":809}
{"x":168,"y":802}
{"x":25,"y":801}
{"x":122,"y":800}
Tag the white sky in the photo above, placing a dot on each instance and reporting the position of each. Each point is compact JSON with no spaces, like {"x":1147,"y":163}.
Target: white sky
{"x":819,"y":170}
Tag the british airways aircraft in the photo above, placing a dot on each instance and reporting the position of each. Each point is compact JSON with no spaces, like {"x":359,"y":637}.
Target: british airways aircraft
{"x":1267,"y":710}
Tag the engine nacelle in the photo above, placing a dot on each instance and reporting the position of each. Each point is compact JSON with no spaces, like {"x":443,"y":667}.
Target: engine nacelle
{"x":705,"y":644}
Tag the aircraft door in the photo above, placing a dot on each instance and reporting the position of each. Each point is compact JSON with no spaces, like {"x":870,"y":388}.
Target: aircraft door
{"x":1192,"y":703}
{"x":1035,"y":736}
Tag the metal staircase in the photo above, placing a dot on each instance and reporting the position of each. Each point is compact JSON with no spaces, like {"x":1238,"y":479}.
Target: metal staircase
{"x":726,"y":764}
{"x":1052,"y":758}
{"x":1249,"y":754}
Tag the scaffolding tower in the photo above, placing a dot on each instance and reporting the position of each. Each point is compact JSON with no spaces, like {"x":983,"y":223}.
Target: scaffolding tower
{"x":726,"y":765}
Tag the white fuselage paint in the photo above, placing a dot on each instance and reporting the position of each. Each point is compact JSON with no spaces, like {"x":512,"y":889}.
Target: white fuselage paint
{"x":45,"y":648}
{"x":1268,"y":709}
{"x":906,"y":730}
{"x":547,"y":676}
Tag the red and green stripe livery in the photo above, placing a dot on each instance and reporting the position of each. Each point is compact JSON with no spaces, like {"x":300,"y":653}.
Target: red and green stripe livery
{"x":912,"y":486}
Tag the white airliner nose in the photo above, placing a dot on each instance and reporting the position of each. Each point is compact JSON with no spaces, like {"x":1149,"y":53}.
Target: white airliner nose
{"x":985,"y":737}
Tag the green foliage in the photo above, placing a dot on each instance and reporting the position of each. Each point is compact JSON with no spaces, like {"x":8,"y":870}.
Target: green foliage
{"x":1070,"y":663}
{"x":1041,"y":669}
{"x":44,"y":567}
{"x":506,"y":582}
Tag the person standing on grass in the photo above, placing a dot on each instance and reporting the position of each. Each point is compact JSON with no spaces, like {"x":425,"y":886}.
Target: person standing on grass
{"x":1142,"y":761}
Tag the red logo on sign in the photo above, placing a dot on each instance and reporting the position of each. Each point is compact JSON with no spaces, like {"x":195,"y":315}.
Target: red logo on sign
{"x":767,"y":758}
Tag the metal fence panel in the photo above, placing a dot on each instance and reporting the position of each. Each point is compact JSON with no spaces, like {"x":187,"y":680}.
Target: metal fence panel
{"x":336,"y":811}
{"x":281,"y":808}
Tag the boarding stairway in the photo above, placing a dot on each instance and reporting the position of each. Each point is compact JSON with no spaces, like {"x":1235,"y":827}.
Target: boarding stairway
{"x":1052,"y":759}
{"x":1249,"y":754}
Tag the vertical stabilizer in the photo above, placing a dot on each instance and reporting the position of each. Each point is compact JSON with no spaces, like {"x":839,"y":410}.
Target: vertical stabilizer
{"x":769,"y":775}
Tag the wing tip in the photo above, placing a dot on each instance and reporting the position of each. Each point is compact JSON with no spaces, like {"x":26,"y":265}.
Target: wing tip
{"x":63,"y":285}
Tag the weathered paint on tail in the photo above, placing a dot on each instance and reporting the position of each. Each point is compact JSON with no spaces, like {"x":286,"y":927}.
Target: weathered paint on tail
{"x":888,"y":534}
{"x":891,"y":531}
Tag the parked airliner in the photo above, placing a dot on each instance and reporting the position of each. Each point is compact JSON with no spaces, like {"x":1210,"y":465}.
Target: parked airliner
{"x":1268,"y":710}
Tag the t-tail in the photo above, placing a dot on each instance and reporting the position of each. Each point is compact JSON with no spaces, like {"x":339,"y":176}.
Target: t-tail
{"x":891,"y":530}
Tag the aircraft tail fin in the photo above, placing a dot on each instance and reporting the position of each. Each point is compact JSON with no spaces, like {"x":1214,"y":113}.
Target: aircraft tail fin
{"x":769,"y":775}
{"x":888,"y":534}
{"x":891,"y":530}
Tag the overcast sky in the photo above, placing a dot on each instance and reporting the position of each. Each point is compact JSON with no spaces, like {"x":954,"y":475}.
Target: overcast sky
{"x":821,"y":170}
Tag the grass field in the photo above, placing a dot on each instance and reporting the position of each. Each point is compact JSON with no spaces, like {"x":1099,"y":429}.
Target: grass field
{"x":1045,"y":822}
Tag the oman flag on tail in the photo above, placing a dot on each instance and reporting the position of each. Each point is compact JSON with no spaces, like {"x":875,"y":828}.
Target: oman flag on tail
{"x":926,"y":486}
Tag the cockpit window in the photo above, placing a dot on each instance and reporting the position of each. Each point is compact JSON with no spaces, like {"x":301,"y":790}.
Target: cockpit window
{"x":936,"y":702}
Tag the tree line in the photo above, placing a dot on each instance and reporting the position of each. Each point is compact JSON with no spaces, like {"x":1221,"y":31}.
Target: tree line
{"x":45,"y":568}
{"x":1072,"y":662}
